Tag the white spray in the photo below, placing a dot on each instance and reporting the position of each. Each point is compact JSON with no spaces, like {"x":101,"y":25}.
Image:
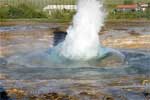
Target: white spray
{"x":82,"y":41}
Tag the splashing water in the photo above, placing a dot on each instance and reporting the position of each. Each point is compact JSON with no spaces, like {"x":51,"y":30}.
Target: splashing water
{"x":82,"y":41}
{"x":81,"y":44}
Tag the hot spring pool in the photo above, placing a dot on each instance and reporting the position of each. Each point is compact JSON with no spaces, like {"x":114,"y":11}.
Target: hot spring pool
{"x":75,"y":78}
{"x":80,"y":65}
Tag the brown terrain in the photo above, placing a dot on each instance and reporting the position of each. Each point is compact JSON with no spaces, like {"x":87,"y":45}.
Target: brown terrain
{"x":22,"y":41}
{"x":114,"y":35}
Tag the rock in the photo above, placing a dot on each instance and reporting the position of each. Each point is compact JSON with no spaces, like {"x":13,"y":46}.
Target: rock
{"x":3,"y":94}
{"x":132,"y":95}
{"x":147,"y":95}
{"x":3,"y":77}
{"x":3,"y":62}
{"x":52,"y":96}
{"x":134,"y":33}
{"x":108,"y":98}
{"x":59,"y":36}
{"x":17,"y":93}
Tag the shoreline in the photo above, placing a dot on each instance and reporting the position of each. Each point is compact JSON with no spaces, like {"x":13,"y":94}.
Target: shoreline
{"x":7,"y":22}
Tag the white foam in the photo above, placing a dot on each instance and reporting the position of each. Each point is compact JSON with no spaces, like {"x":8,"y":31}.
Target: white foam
{"x":82,"y":41}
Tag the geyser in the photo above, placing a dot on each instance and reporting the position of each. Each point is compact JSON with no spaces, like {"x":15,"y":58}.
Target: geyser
{"x":81,"y":45}
{"x":82,"y":41}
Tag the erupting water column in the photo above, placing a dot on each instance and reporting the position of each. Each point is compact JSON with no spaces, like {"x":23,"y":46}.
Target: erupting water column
{"x":81,"y":44}
{"x":82,"y":41}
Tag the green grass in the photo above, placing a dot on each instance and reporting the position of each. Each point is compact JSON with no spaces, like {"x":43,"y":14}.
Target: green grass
{"x":24,"y":12}
{"x":46,"y":20}
{"x":110,"y":4}
{"x":46,"y":2}
{"x":39,"y":4}
{"x":121,"y":1}
{"x":20,"y":11}
{"x":65,"y":17}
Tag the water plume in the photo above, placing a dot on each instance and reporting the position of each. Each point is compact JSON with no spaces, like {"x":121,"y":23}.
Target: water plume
{"x":81,"y":45}
{"x":82,"y":41}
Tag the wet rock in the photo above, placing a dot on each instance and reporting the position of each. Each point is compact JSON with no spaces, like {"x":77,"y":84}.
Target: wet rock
{"x":132,"y":95}
{"x":129,"y":94}
{"x":133,"y":55}
{"x":93,"y":95}
{"x":139,"y":66}
{"x":147,"y":89}
{"x":134,"y":33}
{"x":3,"y":62}
{"x":3,"y":77}
{"x":116,"y":94}
{"x":88,"y":95}
{"x":17,"y":94}
{"x":147,"y":95}
{"x":3,"y":94}
{"x":108,"y":98}
{"x":59,"y":36}
{"x":121,"y":29}
{"x":52,"y":96}
{"x":103,"y":30}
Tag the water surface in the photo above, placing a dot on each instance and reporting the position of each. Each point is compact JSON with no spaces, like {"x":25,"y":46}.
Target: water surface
{"x":71,"y":78}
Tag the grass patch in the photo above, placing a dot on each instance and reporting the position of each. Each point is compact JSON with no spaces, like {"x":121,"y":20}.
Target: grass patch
{"x":26,"y":12}
{"x":20,"y":11}
{"x":130,"y":15}
{"x":63,"y":15}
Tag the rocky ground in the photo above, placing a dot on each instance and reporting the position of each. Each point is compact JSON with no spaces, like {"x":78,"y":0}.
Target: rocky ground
{"x":119,"y":37}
